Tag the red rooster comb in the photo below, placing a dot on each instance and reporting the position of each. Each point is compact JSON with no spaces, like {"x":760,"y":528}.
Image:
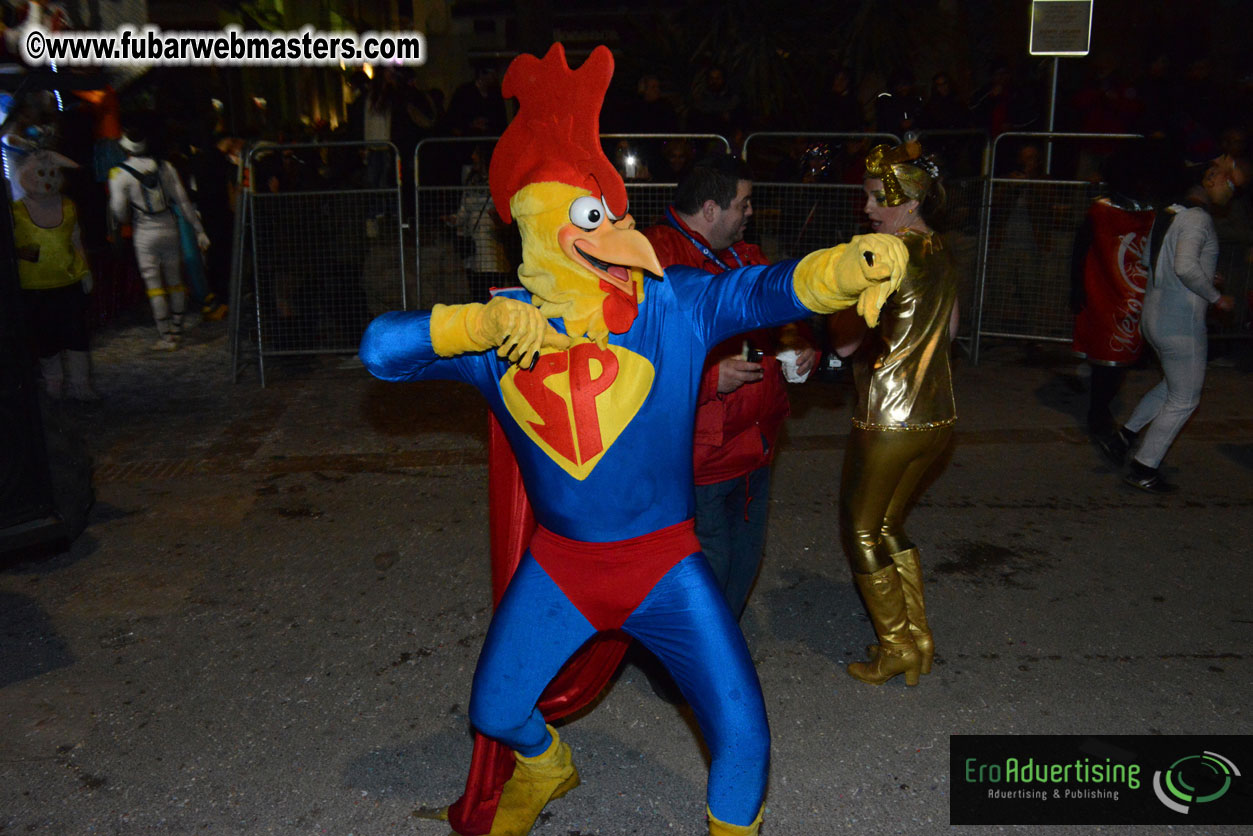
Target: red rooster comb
{"x":555,"y":136}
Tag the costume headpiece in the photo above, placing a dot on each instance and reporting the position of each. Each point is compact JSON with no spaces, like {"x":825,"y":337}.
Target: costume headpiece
{"x":905,"y":173}
{"x":555,"y":136}
{"x":132,"y":146}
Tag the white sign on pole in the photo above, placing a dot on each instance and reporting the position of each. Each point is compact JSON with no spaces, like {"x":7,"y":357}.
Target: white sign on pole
{"x":1061,"y":27}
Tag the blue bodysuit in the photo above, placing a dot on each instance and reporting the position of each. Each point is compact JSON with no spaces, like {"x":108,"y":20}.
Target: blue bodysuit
{"x":603,"y":438}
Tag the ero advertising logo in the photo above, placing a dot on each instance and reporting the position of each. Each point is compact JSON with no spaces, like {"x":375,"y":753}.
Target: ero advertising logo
{"x":1194,"y":779}
{"x":1075,"y":779}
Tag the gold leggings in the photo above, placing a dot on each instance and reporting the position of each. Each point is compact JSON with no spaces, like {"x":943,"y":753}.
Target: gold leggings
{"x":882,"y":469}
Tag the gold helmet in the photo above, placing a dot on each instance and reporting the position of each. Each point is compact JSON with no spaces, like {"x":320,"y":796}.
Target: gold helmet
{"x":905,"y":173}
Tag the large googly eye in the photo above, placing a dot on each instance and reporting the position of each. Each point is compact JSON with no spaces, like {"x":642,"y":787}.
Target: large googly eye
{"x":609,"y":212}
{"x":588,"y":212}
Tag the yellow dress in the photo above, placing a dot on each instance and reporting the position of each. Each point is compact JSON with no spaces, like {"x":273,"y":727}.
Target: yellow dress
{"x":47,"y":257}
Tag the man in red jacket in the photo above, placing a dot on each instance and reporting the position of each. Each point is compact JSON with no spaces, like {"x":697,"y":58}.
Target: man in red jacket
{"x":743,"y":400}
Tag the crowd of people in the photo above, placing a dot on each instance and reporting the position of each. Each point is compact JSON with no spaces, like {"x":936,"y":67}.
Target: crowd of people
{"x":1201,"y":115}
{"x":1185,"y":108}
{"x":109,"y":208}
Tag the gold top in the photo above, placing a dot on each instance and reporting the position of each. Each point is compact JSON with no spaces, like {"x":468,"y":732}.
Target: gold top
{"x":902,"y":179}
{"x":904,"y":380}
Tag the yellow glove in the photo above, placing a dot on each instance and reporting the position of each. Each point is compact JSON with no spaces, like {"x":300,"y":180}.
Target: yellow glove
{"x":864,"y":271}
{"x":519,"y":329}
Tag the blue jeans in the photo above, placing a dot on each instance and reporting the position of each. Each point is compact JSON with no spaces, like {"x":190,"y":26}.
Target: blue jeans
{"x":731,"y":527}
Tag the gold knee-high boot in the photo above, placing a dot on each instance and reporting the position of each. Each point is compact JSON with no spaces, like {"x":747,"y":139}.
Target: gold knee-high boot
{"x":721,"y":828}
{"x":534,"y":783}
{"x":885,"y":601}
{"x":910,"y":570}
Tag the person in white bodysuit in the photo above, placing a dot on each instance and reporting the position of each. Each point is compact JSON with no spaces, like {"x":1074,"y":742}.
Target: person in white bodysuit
{"x":1181,"y":289}
{"x":144,"y":201}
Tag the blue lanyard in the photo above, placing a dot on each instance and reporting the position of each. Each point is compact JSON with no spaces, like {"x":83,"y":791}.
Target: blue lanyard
{"x":704,"y":250}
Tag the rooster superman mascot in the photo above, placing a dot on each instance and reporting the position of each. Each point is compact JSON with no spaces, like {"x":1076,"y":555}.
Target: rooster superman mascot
{"x":591,"y":370}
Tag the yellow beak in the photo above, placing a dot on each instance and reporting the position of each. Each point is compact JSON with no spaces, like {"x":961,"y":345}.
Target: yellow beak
{"x":611,"y":251}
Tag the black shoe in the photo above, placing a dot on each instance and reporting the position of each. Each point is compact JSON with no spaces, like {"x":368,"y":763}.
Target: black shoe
{"x":1112,"y":447}
{"x":1116,"y":444}
{"x":1148,"y":479}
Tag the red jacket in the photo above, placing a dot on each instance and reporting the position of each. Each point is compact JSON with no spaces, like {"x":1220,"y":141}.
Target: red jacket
{"x":736,"y":432}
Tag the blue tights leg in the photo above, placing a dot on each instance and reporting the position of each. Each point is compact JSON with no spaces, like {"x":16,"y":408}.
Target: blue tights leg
{"x":533,"y":632}
{"x":687,"y":624}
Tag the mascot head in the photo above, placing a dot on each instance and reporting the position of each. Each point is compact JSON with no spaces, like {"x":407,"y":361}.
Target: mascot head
{"x":41,"y":174}
{"x":582,"y":259}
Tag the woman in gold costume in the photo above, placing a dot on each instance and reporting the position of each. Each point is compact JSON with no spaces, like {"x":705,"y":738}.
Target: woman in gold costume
{"x":904,"y":414}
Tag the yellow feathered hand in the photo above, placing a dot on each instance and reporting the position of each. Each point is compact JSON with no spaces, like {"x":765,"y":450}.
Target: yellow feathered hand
{"x":518,"y":330}
{"x":864,"y":272}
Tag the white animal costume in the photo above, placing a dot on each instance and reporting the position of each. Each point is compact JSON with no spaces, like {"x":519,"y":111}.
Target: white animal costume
{"x":54,"y":274}
{"x":141,"y":191}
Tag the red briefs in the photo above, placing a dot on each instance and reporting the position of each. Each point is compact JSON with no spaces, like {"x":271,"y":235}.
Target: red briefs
{"x":606,"y":582}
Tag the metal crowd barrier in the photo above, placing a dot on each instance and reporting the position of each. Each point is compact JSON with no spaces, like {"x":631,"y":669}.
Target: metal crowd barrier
{"x":1235,"y":267}
{"x":796,"y":209}
{"x":651,"y":184}
{"x":965,"y":156}
{"x":322,"y":223}
{"x":463,"y":249}
{"x":1029,"y":225}
{"x":238,"y":268}
{"x":446,"y":205}
{"x":325,"y":253}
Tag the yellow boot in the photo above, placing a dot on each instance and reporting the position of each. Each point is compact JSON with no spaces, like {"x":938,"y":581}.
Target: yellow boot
{"x":885,"y":601}
{"x":535,"y":782}
{"x":721,"y":828}
{"x":910,"y":570}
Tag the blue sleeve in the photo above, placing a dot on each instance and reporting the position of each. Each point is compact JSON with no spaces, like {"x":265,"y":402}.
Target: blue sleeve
{"x":397,"y":346}
{"x":737,"y":301}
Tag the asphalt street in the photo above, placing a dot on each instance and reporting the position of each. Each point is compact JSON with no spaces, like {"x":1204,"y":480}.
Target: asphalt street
{"x":271,"y":621}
